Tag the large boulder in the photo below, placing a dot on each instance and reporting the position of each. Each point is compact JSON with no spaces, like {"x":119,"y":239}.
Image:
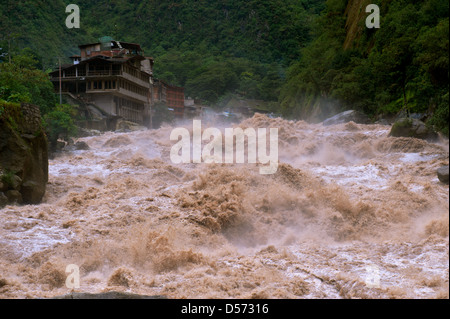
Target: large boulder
{"x":23,"y":153}
{"x":409,"y":127}
{"x":82,"y":146}
{"x":347,"y":116}
{"x":14,"y":196}
{"x":3,"y":200}
{"x":16,"y":182}
{"x":442,"y":173}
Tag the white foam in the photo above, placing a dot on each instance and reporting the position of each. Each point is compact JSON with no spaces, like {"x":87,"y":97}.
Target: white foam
{"x":27,"y":240}
{"x":364,"y":175}
{"x":417,"y":157}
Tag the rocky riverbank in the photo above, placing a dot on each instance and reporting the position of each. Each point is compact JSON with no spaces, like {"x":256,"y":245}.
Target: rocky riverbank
{"x":23,"y":154}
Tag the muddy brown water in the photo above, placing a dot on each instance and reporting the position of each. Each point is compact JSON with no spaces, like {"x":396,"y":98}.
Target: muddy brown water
{"x":350,"y":213}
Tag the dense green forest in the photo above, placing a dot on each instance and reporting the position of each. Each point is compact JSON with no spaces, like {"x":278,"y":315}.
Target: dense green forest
{"x":210,"y":47}
{"x":403,"y":65}
{"x":309,"y":58}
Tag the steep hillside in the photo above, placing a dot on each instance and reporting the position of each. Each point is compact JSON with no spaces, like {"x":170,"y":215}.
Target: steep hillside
{"x":39,"y":25}
{"x":309,"y":58}
{"x":403,"y":65}
{"x":194,"y":42}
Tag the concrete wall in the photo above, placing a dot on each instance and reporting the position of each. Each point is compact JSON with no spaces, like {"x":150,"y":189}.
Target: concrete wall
{"x":105,"y":102}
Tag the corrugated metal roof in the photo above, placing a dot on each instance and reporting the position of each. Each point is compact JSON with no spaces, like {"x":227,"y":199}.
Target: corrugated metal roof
{"x":123,"y":44}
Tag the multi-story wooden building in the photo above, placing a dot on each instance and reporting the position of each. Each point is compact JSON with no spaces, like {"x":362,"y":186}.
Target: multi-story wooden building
{"x":113,"y":75}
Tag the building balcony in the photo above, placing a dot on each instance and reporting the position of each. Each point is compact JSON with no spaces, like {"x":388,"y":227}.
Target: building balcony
{"x":133,"y":95}
{"x":136,"y":80}
{"x":101,"y":73}
{"x":83,"y":73}
{"x":120,"y":91}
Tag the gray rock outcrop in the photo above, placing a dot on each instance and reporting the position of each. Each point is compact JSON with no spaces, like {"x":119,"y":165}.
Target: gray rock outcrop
{"x":23,"y":154}
{"x":442,"y":174}
{"x":82,"y":146}
{"x":408,"y":127}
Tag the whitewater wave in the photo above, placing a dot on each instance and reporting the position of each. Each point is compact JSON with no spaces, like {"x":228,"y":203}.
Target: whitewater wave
{"x":347,"y":203}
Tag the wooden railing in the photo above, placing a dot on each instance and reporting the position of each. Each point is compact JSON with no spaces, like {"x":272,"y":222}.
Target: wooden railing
{"x":83,"y":73}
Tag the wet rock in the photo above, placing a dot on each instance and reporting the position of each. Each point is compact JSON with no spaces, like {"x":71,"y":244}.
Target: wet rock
{"x":442,"y":173}
{"x":408,"y":127}
{"x":3,"y":282}
{"x":16,"y":182}
{"x":108,"y":295}
{"x":347,"y":116}
{"x":14,"y":197}
{"x":10,"y":181}
{"x":31,"y":192}
{"x":60,"y":145}
{"x":24,"y":151}
{"x":3,"y":199}
{"x":82,"y":146}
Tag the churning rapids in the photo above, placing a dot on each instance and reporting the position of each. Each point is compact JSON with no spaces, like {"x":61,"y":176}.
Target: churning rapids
{"x":350,"y":213}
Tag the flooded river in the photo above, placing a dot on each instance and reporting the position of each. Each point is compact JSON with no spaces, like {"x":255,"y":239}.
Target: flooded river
{"x":350,"y":213}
